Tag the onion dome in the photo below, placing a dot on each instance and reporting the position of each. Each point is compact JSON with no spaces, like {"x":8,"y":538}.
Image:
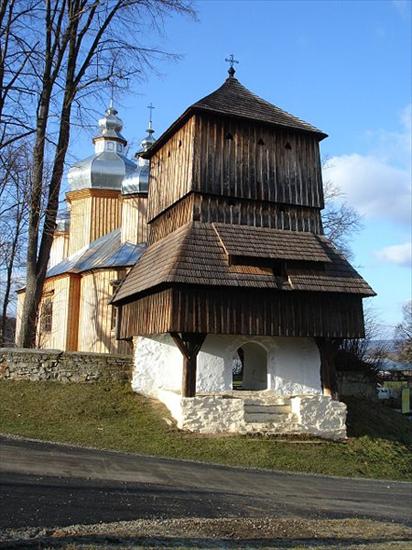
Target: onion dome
{"x":108,"y":166}
{"x":138,"y":181}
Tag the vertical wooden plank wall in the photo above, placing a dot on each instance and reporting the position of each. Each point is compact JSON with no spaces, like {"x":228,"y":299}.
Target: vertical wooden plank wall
{"x":58,"y":290}
{"x":73,"y":314}
{"x":95,"y":322}
{"x":171,"y":170}
{"x":93,"y":213}
{"x":253,"y":161}
{"x":134,"y":219}
{"x":226,"y":157}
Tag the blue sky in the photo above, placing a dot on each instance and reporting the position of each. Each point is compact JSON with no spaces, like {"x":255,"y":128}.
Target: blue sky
{"x":344,"y":66}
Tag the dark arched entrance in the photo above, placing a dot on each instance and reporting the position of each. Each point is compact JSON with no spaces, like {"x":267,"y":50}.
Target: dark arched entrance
{"x":250,"y":367}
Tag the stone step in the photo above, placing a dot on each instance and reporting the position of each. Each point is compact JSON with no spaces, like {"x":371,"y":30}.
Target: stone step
{"x":267,"y":409}
{"x":267,"y":401}
{"x":272,"y":418}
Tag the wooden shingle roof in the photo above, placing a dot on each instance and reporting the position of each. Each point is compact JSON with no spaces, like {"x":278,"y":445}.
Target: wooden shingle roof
{"x":193,"y":254}
{"x":235,"y":100}
{"x":263,"y":242}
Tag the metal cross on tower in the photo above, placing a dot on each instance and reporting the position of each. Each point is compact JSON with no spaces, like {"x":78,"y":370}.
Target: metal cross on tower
{"x":150,"y":107}
{"x":231,"y":59}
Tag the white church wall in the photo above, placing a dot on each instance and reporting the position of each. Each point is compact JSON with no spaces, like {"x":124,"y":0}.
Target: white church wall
{"x":293,"y":364}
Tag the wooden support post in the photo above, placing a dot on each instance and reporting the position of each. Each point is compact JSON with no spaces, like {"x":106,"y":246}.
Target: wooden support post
{"x":189,"y":345}
{"x":328,"y":348}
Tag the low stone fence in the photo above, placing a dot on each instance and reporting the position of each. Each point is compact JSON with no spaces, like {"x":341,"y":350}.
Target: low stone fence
{"x":39,"y":365}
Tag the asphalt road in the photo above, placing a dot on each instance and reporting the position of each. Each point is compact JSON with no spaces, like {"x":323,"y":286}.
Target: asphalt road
{"x":50,"y":485}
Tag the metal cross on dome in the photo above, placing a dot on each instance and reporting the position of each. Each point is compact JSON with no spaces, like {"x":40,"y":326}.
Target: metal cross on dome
{"x":150,"y":107}
{"x":231,"y":60}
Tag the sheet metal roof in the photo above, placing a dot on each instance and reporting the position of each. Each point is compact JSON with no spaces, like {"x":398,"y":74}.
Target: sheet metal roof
{"x":104,"y":253}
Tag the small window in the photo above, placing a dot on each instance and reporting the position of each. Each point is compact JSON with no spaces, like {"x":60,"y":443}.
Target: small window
{"x":46,"y":315}
{"x":110,"y":146}
{"x":229,"y":136}
{"x":119,"y":147}
{"x":168,"y":154}
{"x":288,"y":146}
{"x":180,"y":142}
{"x":113,"y":320}
{"x":261,"y":142}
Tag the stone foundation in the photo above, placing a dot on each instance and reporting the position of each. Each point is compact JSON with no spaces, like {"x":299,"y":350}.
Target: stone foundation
{"x":40,"y":365}
{"x":258,"y":412}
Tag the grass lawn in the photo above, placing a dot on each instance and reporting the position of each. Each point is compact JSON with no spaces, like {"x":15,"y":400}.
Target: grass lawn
{"x":111,"y":416}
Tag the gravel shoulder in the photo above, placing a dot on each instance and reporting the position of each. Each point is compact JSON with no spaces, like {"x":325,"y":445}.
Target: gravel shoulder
{"x":216,"y":533}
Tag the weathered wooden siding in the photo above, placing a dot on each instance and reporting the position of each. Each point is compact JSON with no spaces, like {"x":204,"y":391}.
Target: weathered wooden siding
{"x":171,"y":170}
{"x":148,"y":315}
{"x":246,"y":312}
{"x":210,"y":208}
{"x":93,"y":213}
{"x":232,"y":158}
{"x":177,"y":215}
{"x":241,"y":159}
{"x":134,"y":219}
{"x":95,"y":319}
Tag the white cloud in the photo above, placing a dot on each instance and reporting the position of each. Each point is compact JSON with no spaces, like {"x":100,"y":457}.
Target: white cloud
{"x":378,"y":184}
{"x":400,"y":254}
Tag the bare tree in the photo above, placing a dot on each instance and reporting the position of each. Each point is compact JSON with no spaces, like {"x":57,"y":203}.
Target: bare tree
{"x":366,"y":353}
{"x":403,"y":334}
{"x":14,"y":189}
{"x":18,"y":53}
{"x":84,"y":44}
{"x":340,"y":220}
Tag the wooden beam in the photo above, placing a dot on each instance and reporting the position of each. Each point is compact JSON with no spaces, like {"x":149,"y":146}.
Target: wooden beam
{"x":328,"y":348}
{"x":189,"y":345}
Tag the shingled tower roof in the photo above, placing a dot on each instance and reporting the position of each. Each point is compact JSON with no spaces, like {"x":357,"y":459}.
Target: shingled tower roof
{"x":235,"y":100}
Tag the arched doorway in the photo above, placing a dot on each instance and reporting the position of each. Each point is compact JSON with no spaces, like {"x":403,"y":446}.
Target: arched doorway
{"x":250,"y":367}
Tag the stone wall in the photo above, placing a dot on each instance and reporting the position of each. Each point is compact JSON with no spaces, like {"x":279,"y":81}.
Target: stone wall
{"x":39,"y":365}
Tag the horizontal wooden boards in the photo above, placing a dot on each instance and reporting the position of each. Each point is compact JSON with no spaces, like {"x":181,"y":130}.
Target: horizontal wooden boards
{"x":262,"y":242}
{"x":244,"y":311}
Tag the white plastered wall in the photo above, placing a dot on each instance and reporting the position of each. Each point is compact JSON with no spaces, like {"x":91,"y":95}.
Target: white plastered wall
{"x":293,"y":364}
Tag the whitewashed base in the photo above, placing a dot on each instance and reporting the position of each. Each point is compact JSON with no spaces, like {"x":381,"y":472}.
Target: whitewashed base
{"x":293,"y":379}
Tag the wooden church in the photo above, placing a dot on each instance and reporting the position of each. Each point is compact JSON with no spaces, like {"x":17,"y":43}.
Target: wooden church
{"x":96,"y":241}
{"x":238,"y":271}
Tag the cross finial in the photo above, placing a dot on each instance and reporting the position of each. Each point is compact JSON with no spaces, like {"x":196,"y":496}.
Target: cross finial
{"x":231,"y":60}
{"x":150,"y":128}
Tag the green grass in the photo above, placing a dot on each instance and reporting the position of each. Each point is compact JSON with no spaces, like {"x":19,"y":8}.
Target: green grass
{"x":111,"y":416}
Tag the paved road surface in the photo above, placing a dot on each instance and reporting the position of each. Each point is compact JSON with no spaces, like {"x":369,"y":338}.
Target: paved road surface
{"x":47,"y":485}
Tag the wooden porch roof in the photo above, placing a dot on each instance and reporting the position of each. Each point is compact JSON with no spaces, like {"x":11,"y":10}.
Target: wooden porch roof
{"x":193,"y":254}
